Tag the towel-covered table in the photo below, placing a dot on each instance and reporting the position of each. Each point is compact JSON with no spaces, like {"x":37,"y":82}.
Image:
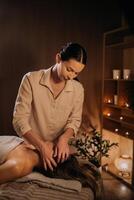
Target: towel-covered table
{"x":37,"y":186}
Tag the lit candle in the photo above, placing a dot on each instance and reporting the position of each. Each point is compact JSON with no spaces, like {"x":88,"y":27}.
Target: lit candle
{"x":116,"y":129}
{"x":117,"y":77}
{"x":116,"y":74}
{"x":127,"y":133}
{"x":126,"y":73}
{"x":127,"y":77}
{"x":121,"y":118}
{"x":127,"y":105}
{"x":109,"y":101}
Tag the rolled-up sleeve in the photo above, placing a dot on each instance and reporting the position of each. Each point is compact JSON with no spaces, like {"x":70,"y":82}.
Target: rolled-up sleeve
{"x":74,"y":120}
{"x":22,"y":107}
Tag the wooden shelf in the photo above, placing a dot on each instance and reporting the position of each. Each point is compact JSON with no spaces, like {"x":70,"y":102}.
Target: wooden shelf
{"x":121,"y":45}
{"x":118,"y":53}
{"x":120,"y":121}
{"x":124,"y":80}
{"x":122,"y":128}
{"x":120,"y":107}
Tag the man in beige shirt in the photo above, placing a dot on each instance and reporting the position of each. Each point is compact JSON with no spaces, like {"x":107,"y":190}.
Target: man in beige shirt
{"x":48,"y":108}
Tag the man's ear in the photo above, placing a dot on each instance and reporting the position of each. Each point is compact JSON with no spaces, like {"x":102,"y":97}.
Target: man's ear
{"x":58,"y":58}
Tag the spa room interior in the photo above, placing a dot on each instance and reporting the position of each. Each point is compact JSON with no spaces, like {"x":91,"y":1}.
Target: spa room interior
{"x":31,"y":34}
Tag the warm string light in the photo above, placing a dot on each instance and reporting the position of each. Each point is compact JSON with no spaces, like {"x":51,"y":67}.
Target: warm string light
{"x":108,"y":114}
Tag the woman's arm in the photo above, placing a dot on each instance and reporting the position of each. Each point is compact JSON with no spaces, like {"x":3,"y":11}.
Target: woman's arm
{"x":21,"y":116}
{"x":22,"y":109}
{"x":62,"y":150}
{"x":45,"y":149}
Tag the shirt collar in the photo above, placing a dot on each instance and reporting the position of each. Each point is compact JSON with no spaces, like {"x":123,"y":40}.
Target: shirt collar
{"x":69,"y":86}
{"x":45,"y":80}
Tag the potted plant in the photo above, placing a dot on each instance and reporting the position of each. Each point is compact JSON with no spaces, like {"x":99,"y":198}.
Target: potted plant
{"x":92,"y":147}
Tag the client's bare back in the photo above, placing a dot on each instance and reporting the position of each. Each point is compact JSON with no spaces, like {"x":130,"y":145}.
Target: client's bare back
{"x":19,"y":162}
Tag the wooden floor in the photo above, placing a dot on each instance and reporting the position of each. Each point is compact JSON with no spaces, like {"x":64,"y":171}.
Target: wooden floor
{"x":115,"y":189}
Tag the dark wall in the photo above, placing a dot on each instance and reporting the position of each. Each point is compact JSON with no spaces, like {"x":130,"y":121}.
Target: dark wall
{"x":31,"y":33}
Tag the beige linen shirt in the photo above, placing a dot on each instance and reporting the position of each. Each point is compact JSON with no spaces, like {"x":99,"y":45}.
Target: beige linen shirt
{"x":37,"y":109}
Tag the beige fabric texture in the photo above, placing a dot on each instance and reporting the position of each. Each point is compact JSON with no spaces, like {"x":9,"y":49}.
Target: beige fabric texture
{"x":33,"y":191}
{"x":37,"y":109}
{"x":54,"y":183}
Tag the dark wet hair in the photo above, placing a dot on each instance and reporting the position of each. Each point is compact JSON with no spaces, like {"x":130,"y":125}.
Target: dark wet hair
{"x":74,"y":51}
{"x":71,"y":169}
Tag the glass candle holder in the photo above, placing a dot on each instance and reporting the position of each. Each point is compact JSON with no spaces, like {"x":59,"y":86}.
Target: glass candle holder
{"x":124,"y":165}
{"x":126,"y":74}
{"x":116,"y":74}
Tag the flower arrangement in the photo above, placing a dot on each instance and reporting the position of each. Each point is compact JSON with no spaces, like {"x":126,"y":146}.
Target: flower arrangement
{"x":92,"y":147}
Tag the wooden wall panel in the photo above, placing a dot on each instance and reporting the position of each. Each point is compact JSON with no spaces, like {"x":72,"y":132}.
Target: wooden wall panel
{"x":32,"y":32}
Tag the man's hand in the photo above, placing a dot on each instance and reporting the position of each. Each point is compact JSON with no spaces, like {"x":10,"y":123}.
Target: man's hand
{"x":46,"y":152}
{"x":61,"y":150}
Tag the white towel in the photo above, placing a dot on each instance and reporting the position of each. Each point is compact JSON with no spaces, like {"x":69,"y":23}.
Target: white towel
{"x":7,"y":144}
